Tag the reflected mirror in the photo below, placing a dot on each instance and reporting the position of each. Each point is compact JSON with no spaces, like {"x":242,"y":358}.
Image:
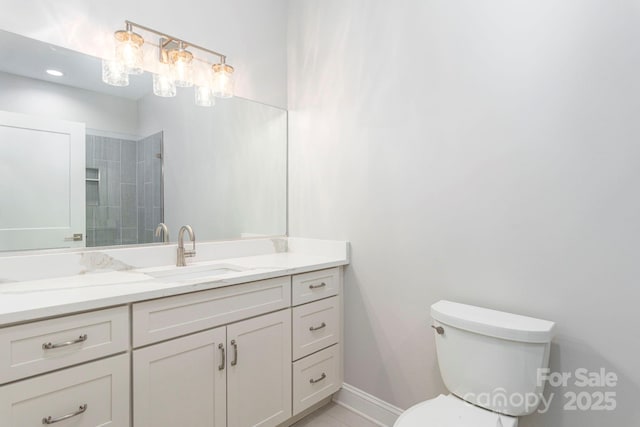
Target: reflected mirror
{"x":85,"y":164}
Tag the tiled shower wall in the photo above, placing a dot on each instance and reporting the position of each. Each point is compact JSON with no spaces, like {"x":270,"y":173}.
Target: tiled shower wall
{"x":117,"y":212}
{"x":149,"y":178}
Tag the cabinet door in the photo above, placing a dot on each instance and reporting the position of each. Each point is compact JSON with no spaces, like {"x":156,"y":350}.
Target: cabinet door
{"x":181,"y":382}
{"x":259,"y":375}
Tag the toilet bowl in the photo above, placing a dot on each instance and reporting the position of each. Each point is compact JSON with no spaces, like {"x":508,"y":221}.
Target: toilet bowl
{"x":490,"y":361}
{"x":451,"y":411}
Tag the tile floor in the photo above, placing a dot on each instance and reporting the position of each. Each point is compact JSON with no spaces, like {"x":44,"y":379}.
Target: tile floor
{"x":333,"y":415}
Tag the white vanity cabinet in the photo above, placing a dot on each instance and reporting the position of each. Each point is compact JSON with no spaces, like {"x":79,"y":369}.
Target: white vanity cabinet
{"x":93,"y":393}
{"x":249,"y":354}
{"x":233,"y":375}
{"x":259,"y":370}
{"x":317,"y":334}
{"x":90,"y":395}
{"x":37,"y":347}
{"x":181,"y":382}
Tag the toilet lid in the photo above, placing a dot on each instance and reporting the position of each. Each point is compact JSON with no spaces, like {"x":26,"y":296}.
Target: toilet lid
{"x":451,"y":411}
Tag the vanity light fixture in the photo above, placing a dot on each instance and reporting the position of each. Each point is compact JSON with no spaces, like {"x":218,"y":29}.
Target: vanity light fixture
{"x":114,"y":73}
{"x":175,"y":66}
{"x":204,"y":96}
{"x":181,"y":61}
{"x":222,"y":80}
{"x":164,"y":84}
{"x":129,"y":49}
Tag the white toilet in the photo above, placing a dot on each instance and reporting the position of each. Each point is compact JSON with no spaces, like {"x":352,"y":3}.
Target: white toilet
{"x":490,"y":362}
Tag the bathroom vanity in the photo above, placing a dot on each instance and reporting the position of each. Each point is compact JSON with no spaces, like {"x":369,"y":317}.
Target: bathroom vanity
{"x":242,"y":340}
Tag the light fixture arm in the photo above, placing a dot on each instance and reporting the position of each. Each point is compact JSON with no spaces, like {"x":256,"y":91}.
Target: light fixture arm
{"x":169,"y":39}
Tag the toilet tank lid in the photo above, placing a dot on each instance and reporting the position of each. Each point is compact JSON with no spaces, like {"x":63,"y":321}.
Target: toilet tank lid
{"x":493,"y":323}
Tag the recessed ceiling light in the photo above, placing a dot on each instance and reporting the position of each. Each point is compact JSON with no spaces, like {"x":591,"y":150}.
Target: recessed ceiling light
{"x":55,"y":73}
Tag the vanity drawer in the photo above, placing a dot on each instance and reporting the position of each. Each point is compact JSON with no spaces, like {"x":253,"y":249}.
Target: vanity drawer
{"x":43,"y":346}
{"x":102,"y":386}
{"x":316,"y":377}
{"x":315,"y":326}
{"x":315,"y":285}
{"x":171,"y":317}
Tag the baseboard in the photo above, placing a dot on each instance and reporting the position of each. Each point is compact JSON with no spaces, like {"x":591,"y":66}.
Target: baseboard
{"x":376,"y":410}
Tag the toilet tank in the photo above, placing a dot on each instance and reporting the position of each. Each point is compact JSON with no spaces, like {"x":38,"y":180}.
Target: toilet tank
{"x":491,"y":358}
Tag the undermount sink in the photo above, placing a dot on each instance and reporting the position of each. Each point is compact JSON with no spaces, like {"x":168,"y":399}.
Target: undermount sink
{"x":194,"y":272}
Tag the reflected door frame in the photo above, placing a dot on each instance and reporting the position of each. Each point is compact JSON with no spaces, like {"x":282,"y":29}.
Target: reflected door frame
{"x":48,"y":231}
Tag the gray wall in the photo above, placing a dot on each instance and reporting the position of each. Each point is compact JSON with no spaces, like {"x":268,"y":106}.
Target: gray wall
{"x":480,"y":151}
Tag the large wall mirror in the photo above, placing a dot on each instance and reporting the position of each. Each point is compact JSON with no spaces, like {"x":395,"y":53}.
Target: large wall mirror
{"x":85,"y":164}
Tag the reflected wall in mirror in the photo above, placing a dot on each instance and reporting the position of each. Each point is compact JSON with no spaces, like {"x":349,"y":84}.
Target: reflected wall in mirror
{"x":87,"y":164}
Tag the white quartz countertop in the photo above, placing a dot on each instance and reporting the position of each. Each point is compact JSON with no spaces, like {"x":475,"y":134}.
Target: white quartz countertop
{"x":30,"y":300}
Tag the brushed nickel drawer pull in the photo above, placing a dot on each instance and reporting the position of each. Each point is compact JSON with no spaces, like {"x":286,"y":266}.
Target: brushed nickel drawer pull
{"x":321,"y":285}
{"x":315,"y":328}
{"x":51,"y":420}
{"x":323,"y":376}
{"x":234,"y":362}
{"x":223,"y":361}
{"x":49,"y":346}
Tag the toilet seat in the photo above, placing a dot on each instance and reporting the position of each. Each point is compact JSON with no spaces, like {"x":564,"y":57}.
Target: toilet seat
{"x":451,"y":411}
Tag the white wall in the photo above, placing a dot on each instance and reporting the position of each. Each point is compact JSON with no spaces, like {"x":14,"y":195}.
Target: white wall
{"x":252,"y":33}
{"x":97,"y":111}
{"x":480,"y":151}
{"x":225,"y":167}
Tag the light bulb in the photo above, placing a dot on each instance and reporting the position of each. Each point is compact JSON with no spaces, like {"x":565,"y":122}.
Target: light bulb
{"x":129,"y":51}
{"x":204,"y":96}
{"x":114,"y":73}
{"x":222,"y":80}
{"x":163,"y":83}
{"x":181,"y":61}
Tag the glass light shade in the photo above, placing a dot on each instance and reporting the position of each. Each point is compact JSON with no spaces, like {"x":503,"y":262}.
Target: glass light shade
{"x":204,"y":96}
{"x":182,"y":62}
{"x":222,"y":81}
{"x":163,"y":83}
{"x":129,"y":51}
{"x":114,"y":73}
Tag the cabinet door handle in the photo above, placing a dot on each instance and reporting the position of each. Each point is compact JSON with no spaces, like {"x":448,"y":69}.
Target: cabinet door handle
{"x":323,"y":376}
{"x":51,"y":420}
{"x":49,"y":346}
{"x":77,"y":237}
{"x":234,"y":362}
{"x":222,"y":355}
{"x":321,"y":285}
{"x":315,"y":328}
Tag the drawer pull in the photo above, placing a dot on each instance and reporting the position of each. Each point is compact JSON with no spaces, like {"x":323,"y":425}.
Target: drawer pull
{"x":321,"y":285}
{"x":234,"y":362}
{"x":222,"y":361}
{"x":51,"y":420}
{"x":49,"y":346}
{"x":315,"y":328}
{"x":323,"y":376}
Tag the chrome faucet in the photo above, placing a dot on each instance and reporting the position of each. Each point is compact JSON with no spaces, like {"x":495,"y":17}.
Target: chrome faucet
{"x":162,"y":228}
{"x":181,"y":252}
